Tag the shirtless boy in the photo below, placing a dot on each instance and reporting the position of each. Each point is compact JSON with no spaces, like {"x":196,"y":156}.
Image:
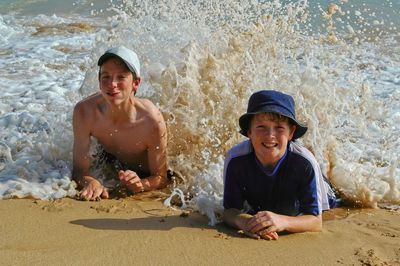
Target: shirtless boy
{"x":129,"y":128}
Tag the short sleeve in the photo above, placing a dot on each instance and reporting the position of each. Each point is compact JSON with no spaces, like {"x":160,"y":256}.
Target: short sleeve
{"x":308,"y":193}
{"x":233,"y":197}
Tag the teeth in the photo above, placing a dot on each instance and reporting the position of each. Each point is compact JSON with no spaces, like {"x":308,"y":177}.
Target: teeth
{"x":269,"y":145}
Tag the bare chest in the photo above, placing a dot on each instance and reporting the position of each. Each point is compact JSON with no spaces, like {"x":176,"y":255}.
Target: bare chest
{"x":127,"y":143}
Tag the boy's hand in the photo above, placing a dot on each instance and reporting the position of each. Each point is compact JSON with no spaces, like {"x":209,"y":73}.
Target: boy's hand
{"x":266,"y":224}
{"x":268,"y":236}
{"x":92,"y":190}
{"x":246,"y":222}
{"x":131,"y":180}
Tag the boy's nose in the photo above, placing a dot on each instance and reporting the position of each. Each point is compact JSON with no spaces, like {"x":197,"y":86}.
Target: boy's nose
{"x":112,"y":82}
{"x":269,"y":131}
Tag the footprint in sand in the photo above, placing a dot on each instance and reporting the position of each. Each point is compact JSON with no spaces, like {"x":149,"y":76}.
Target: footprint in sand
{"x":110,"y":209}
{"x":370,"y":257}
{"x":56,"y":206}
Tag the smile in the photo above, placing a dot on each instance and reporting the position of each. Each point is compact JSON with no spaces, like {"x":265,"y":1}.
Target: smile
{"x":269,"y":145}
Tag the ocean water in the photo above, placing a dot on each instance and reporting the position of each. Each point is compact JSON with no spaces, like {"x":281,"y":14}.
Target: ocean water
{"x":201,"y":61}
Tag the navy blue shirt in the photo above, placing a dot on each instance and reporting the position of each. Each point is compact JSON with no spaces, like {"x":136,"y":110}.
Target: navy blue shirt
{"x":289,"y":189}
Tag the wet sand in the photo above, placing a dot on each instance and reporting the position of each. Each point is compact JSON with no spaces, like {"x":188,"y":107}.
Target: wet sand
{"x":142,"y":231}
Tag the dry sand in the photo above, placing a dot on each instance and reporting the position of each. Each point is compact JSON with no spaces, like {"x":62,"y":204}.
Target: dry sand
{"x":141,"y":231}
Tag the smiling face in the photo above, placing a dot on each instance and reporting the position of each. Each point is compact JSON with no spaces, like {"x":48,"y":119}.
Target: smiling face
{"x":270,"y":133}
{"x":116,"y":81}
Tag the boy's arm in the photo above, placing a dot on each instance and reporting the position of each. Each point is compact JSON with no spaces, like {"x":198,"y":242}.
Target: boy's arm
{"x":233,"y":200}
{"x":91,"y":187}
{"x":239,"y":220}
{"x":236,"y":219}
{"x":157,"y":155}
{"x":267,"y":222}
{"x":303,"y":223}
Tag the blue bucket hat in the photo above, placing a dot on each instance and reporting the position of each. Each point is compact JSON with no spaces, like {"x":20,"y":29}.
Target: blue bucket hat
{"x":270,"y":101}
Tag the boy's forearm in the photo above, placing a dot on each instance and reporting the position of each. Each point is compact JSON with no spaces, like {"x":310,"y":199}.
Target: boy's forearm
{"x":303,"y":223}
{"x":77,"y":176}
{"x":81,"y":178}
{"x":154,"y":182}
{"x":235,"y":218}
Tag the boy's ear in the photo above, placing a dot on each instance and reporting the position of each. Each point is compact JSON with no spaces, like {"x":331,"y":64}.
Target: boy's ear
{"x":135,"y":85}
{"x":292,"y":130}
{"x":137,"y":81}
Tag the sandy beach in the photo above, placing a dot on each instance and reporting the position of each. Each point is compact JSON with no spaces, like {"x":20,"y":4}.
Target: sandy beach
{"x":142,"y":231}
{"x":200,"y":62}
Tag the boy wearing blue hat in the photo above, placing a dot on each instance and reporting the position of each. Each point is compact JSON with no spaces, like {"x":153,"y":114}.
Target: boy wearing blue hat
{"x":272,"y":183}
{"x":128,"y":128}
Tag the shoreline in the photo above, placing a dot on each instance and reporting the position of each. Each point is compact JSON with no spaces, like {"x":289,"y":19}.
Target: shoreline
{"x":143,"y":231}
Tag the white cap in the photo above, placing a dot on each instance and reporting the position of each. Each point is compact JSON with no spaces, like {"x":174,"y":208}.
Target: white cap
{"x":129,"y":57}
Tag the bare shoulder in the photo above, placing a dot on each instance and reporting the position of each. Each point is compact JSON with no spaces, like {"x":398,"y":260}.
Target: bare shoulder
{"x":146,"y":105}
{"x":86,"y":112}
{"x":87,"y":106}
{"x":148,"y":110}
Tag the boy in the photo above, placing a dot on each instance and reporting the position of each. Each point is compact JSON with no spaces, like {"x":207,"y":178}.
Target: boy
{"x":129,"y":128}
{"x":277,"y":179}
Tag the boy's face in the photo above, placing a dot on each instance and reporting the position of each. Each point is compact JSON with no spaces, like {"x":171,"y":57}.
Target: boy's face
{"x":270,"y":136}
{"x":116,"y":81}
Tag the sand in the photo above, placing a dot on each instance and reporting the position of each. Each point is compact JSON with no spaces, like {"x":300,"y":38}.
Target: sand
{"x":142,"y":231}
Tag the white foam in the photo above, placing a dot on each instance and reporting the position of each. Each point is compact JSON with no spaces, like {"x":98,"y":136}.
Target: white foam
{"x":200,"y":70}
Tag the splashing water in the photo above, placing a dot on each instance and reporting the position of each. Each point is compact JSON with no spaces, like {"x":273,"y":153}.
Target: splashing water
{"x":201,"y":61}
